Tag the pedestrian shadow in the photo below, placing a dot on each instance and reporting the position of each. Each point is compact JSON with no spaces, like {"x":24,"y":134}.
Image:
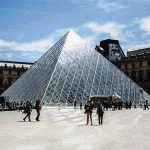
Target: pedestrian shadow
{"x":87,"y":125}
{"x":26,"y":121}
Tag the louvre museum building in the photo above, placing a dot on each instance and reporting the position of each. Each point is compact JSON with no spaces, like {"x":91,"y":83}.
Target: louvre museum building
{"x":72,"y":70}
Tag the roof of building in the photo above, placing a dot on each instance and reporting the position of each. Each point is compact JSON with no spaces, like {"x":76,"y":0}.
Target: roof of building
{"x":17,"y":64}
{"x":139,"y":52}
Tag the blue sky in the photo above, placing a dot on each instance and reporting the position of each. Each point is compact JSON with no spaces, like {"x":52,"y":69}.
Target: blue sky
{"x":28,"y":28}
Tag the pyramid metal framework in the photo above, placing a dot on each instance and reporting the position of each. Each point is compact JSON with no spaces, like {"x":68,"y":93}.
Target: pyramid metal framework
{"x":72,"y":70}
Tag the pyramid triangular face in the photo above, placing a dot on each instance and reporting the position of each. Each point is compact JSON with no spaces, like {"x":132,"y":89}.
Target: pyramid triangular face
{"x":72,"y":70}
{"x":32,"y":84}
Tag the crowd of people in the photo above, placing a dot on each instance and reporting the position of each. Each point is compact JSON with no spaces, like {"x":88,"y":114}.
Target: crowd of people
{"x":105,"y":106}
{"x":24,"y":107}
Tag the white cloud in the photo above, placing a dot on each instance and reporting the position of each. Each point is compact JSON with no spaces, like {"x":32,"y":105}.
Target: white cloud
{"x":91,"y":38}
{"x":144,"y":24}
{"x":91,"y":32}
{"x":110,"y":6}
{"x":111,"y":28}
{"x":136,"y":46}
{"x":37,"y":46}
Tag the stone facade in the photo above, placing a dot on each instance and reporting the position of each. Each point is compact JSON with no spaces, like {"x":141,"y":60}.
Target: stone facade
{"x":10,"y":71}
{"x":136,"y":65}
{"x":137,"y":68}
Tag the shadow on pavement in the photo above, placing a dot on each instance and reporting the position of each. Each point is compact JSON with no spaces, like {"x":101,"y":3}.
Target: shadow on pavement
{"x":87,"y":125}
{"x":26,"y":121}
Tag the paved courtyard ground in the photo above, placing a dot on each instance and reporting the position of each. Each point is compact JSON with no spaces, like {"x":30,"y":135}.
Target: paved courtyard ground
{"x":65,"y":129}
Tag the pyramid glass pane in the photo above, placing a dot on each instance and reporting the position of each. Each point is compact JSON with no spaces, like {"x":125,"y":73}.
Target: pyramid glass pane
{"x":72,"y":70}
{"x":32,"y":84}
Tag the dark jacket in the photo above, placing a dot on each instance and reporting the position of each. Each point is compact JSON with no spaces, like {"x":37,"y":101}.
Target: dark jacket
{"x":38,"y":105}
{"x":28,"y":109}
{"x":88,"y":108}
{"x":100,"y":110}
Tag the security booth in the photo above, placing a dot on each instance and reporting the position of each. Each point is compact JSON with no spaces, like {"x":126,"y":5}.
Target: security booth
{"x":109,"y":101}
{"x":100,"y":99}
{"x":116,"y":98}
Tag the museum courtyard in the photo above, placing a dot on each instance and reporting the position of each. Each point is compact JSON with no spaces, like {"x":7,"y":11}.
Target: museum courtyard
{"x":66,"y":129}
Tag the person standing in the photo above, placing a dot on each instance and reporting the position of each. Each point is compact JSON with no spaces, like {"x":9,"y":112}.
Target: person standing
{"x":38,"y":107}
{"x":21,"y":106}
{"x":126,"y":105}
{"x":88,"y":111}
{"x":146,"y":105}
{"x":81,"y":106}
{"x":28,"y":111}
{"x":130,"y":104}
{"x":75,"y":104}
{"x":100,"y":112}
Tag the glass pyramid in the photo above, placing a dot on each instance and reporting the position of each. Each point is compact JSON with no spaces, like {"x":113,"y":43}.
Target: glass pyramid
{"x":72,"y":70}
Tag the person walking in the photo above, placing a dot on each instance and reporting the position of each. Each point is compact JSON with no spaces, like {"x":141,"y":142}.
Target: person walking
{"x":88,"y":111}
{"x":28,"y":111}
{"x":38,"y":107}
{"x":100,"y":112}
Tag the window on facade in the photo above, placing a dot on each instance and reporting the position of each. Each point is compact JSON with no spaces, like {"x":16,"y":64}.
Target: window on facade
{"x":148,"y":75}
{"x":9,"y":81}
{"x":140,"y":75}
{"x":1,"y":81}
{"x":148,"y":91}
{"x":1,"y":71}
{"x":127,"y":73}
{"x":129,"y":65}
{"x":119,"y":66}
{"x":1,"y":91}
{"x":133,"y":65}
{"x":18,"y":73}
{"x":9,"y":71}
{"x":140,"y":64}
{"x":133,"y":75}
{"x":5,"y":83}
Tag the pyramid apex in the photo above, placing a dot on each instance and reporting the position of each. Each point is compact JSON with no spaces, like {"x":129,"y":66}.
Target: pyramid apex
{"x":71,"y":31}
{"x":72,"y":35}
